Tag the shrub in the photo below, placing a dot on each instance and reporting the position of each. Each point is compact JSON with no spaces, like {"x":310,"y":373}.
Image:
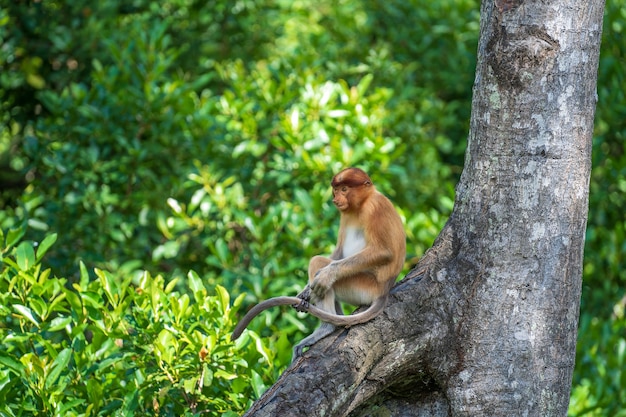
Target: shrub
{"x":600,"y":384}
{"x":104,"y":347}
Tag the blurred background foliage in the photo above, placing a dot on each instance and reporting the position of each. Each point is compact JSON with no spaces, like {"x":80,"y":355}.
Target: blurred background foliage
{"x":157,"y":138}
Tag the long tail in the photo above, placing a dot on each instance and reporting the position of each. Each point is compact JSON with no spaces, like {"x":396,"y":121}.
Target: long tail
{"x":257,"y":309}
{"x":338,"y":320}
{"x":335,"y":319}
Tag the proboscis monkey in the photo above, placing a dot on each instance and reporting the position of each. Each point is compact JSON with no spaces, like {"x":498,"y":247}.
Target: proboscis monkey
{"x":370,"y":253}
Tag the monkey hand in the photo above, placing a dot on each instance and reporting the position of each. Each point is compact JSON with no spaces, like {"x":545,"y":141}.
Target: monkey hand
{"x":322,"y":283}
{"x":305,"y":294}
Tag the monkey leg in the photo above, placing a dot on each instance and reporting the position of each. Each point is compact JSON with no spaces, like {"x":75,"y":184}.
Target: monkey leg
{"x":316,"y":291}
{"x":338,"y":308}
{"x":315,"y":264}
{"x":328,"y":304}
{"x":321,"y":332}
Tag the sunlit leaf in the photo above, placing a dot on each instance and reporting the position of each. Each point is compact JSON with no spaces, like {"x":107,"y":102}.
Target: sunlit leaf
{"x":26,"y":313}
{"x":84,"y":275}
{"x":59,"y":323}
{"x":175,"y":205}
{"x":109,"y":285}
{"x":45,"y":245}
{"x":195,"y":283}
{"x":223,"y":297}
{"x":25,"y":256}
{"x":190,"y":385}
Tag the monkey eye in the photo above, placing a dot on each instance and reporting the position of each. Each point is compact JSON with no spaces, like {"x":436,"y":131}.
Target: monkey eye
{"x":344,"y":188}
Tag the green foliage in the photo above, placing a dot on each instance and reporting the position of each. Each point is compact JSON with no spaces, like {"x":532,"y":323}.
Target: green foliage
{"x":156,"y":102}
{"x":201,"y":135}
{"x":191,"y":136}
{"x":104,"y":347}
{"x":601,"y":366}
{"x":599,"y":387}
{"x":606,"y":233}
{"x":94,"y":164}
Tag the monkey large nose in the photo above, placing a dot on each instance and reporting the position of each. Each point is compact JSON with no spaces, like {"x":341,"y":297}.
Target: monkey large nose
{"x":339,"y":206}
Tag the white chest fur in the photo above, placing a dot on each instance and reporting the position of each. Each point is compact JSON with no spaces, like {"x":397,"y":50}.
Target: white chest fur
{"x":354,"y":241}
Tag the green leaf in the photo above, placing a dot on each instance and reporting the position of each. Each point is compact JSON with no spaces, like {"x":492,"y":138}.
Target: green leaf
{"x":59,"y":323}
{"x":222,"y":251}
{"x":108,"y":283}
{"x":195,"y":283}
{"x":170,"y":286}
{"x":70,"y":406}
{"x":14,"y":236}
{"x":5,"y":378}
{"x":26,"y":312}
{"x":164,"y":343}
{"x":84,"y":276}
{"x":45,"y":245}
{"x":59,"y":365}
{"x":223,"y":297}
{"x":38,"y":306}
{"x":190,"y":385}
{"x":25,"y":256}
{"x":364,"y":84}
{"x":257,"y":384}
{"x":208,"y":376}
{"x":43,"y":278}
{"x":180,"y":306}
{"x":238,"y":301}
{"x":12,"y":364}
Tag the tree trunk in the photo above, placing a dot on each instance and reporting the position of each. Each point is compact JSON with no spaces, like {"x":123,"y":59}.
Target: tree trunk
{"x":486,"y":323}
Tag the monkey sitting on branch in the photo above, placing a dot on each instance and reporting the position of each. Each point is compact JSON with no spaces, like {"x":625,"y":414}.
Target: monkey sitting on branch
{"x":370,"y":253}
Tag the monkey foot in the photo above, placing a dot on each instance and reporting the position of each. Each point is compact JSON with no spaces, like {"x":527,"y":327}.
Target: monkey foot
{"x":302,"y":306}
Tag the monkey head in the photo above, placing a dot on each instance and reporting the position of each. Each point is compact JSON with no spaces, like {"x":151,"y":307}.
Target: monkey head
{"x":351,"y":187}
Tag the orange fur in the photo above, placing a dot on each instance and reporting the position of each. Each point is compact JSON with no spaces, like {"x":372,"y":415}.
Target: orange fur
{"x":371,"y":245}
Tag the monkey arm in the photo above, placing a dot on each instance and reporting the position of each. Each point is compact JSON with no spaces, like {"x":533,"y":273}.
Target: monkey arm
{"x":370,"y":258}
{"x":370,"y":261}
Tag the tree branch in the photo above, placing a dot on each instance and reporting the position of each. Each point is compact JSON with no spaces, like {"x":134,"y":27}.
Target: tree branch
{"x":389,"y":354}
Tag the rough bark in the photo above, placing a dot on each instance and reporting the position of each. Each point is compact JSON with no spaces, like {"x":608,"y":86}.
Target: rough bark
{"x":486,"y":323}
